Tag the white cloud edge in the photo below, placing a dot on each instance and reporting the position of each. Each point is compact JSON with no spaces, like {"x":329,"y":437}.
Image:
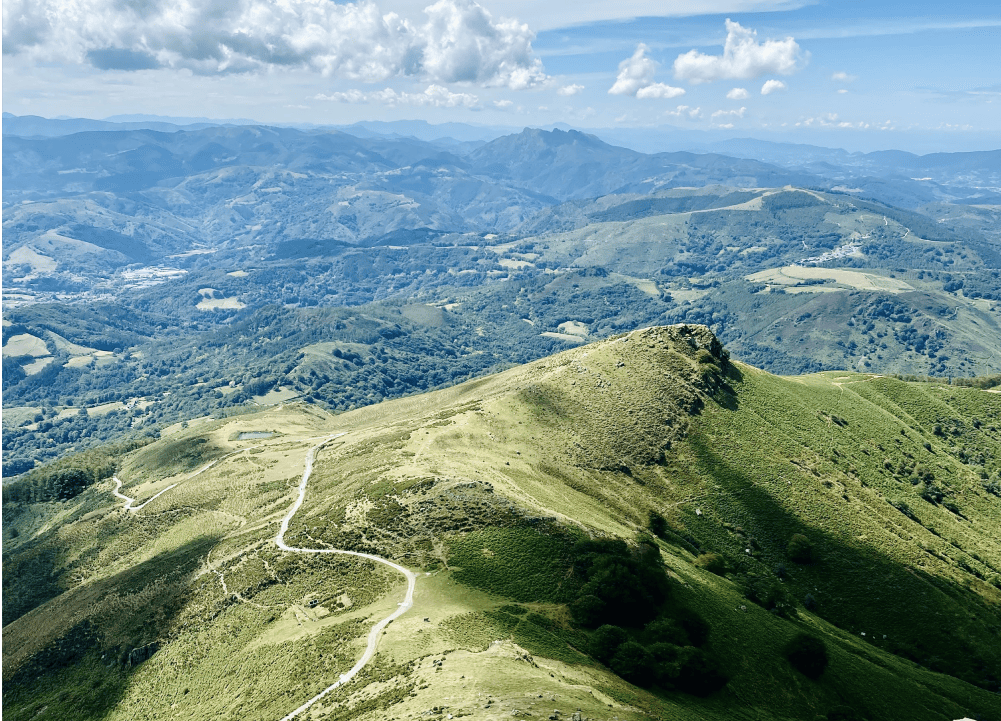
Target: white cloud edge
{"x":458,"y":42}
{"x":742,"y":58}
{"x":773,"y":86}
{"x":636,"y":78}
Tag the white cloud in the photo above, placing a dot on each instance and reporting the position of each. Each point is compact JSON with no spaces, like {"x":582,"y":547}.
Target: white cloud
{"x":743,"y":57}
{"x":726,"y":126}
{"x":730,"y":113}
{"x":738,"y":94}
{"x":772,"y":86}
{"x":634,"y":73}
{"x":434,"y":96}
{"x":684,"y":111}
{"x":458,"y":42}
{"x":842,"y":91}
{"x":570,"y":89}
{"x":659,"y":90}
{"x":831,"y":120}
{"x":502,"y":104}
{"x":842,"y":77}
{"x":636,"y":78}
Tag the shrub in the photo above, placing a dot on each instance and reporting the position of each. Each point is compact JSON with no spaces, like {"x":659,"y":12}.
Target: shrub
{"x":800,"y":549}
{"x":657,"y":524}
{"x":932,"y":493}
{"x":699,"y":675}
{"x":587,"y":610}
{"x":768,"y":592}
{"x":606,"y":641}
{"x":810,"y":603}
{"x":694,"y":625}
{"x":712,"y":562}
{"x":633,"y":663}
{"x":627,"y":590}
{"x":807,"y":654}
{"x":667,"y":631}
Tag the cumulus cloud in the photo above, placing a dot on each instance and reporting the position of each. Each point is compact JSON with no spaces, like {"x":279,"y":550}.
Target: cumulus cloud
{"x":568,"y":90}
{"x":831,"y":120}
{"x":636,"y":78}
{"x":738,"y":94}
{"x":435,"y":96}
{"x":743,"y":57}
{"x":842,"y":77}
{"x":503,"y":104}
{"x":459,"y":41}
{"x":729,"y":113}
{"x":684,"y":111}
{"x":659,"y":90}
{"x":772,"y":86}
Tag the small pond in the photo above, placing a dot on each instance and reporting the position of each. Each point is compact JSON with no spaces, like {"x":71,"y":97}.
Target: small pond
{"x":251,"y":435}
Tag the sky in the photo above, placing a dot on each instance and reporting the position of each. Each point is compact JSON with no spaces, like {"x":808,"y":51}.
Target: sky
{"x":860,"y":75}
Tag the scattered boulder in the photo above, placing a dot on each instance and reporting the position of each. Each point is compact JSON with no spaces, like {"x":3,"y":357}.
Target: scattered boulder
{"x":143,"y":653}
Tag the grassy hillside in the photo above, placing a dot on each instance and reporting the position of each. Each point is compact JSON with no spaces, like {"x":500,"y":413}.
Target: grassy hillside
{"x":712,"y":511}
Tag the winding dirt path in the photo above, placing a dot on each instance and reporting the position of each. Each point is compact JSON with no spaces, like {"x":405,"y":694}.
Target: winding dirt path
{"x":129,"y":501}
{"x":373,"y":636}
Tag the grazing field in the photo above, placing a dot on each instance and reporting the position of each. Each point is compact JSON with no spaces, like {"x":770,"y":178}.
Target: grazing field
{"x":637,"y":528}
{"x":793,"y":275}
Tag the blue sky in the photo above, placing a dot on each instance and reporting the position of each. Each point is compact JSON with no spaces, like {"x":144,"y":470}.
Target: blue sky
{"x":869,"y":75}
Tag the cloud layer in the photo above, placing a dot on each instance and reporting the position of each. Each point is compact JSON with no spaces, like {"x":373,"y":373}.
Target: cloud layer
{"x":459,"y":41}
{"x":743,"y":57}
{"x":636,"y":78}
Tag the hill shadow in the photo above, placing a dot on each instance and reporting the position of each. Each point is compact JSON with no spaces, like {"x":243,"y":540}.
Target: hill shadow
{"x":84,"y":671}
{"x":932,"y":621}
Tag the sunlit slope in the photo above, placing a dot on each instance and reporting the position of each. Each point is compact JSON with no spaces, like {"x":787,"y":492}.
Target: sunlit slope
{"x":487,"y":487}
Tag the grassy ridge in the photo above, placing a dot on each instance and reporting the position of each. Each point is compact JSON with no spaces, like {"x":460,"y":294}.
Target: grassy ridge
{"x":488,"y":487}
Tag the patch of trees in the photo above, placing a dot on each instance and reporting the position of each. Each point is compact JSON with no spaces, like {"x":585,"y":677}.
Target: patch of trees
{"x":68,"y":477}
{"x":640,"y":632}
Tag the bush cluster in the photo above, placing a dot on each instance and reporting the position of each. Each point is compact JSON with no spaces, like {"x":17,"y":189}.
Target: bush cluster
{"x":640,"y":634}
{"x":807,"y":654}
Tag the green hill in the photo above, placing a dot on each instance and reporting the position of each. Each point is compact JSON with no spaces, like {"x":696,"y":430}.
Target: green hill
{"x":638,"y":528}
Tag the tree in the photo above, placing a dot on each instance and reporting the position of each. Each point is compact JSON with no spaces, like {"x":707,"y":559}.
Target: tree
{"x":633,"y":663}
{"x":699,"y":675}
{"x":657,"y":524}
{"x":606,"y":641}
{"x":712,"y":562}
{"x":807,"y":654}
{"x":800,"y":549}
